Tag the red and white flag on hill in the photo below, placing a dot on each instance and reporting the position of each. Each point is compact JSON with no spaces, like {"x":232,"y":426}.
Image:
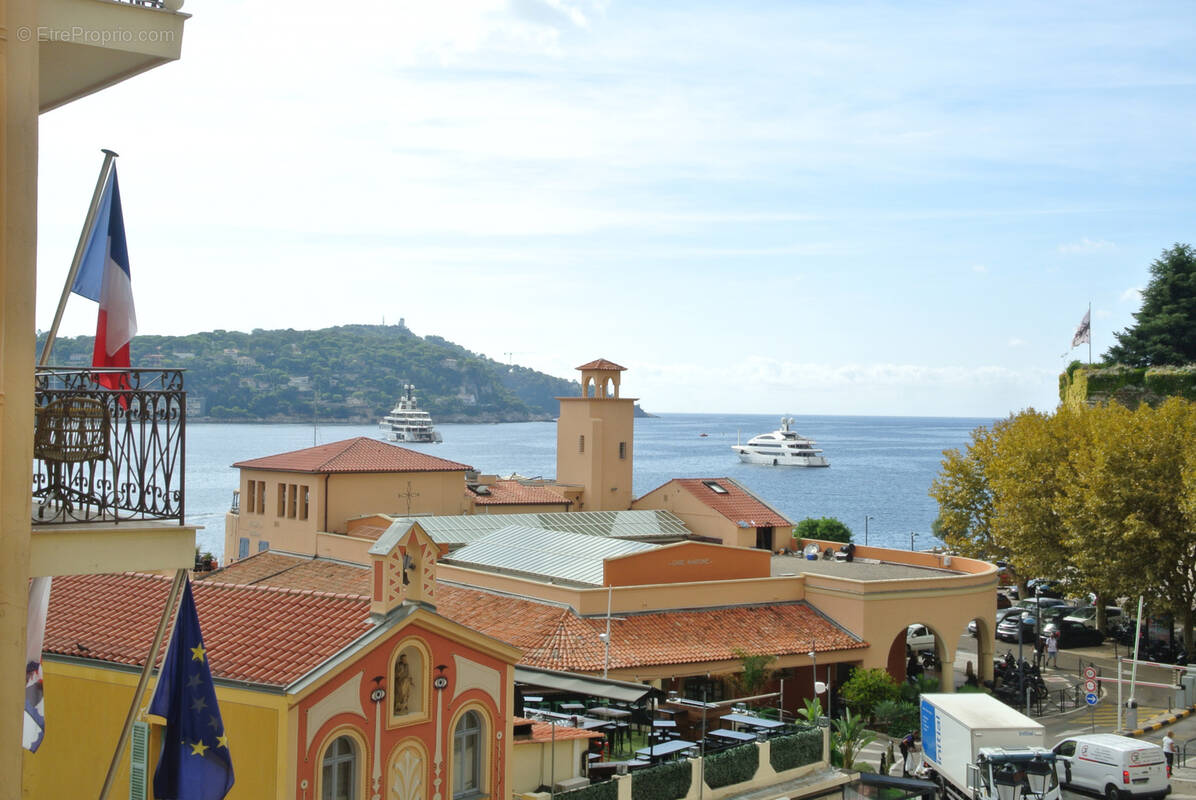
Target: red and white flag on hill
{"x":1084,"y":332}
{"x":104,"y":277}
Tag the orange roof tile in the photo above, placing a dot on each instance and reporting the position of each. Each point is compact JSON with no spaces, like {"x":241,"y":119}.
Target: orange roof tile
{"x":256,"y":634}
{"x":602,"y":363}
{"x":555,"y":637}
{"x":737,"y":505}
{"x":361,"y":454}
{"x":543,"y":732}
{"x":506,"y":492}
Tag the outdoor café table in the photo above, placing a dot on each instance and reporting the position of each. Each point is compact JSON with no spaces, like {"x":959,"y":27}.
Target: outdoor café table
{"x":571,"y":707}
{"x":755,"y":722}
{"x":665,"y":749}
{"x":663,"y":723}
{"x":727,"y":733}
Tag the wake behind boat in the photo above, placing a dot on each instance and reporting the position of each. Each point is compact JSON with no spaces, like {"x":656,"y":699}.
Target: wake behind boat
{"x":781,"y":448}
{"x":406,"y":423}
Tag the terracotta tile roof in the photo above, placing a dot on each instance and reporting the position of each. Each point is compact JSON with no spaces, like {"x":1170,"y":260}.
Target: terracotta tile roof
{"x":261,"y":635}
{"x":602,"y":363}
{"x":361,"y":454}
{"x":516,"y":493}
{"x":543,"y":732}
{"x":554,"y":637}
{"x":737,"y":505}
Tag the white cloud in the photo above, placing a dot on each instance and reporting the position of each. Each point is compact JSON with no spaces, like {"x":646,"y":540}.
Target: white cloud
{"x":1132,"y":294}
{"x":1016,"y":342}
{"x":1087,"y":245}
{"x":979,"y":268}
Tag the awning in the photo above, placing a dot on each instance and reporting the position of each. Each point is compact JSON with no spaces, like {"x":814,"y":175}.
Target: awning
{"x":576,"y":683}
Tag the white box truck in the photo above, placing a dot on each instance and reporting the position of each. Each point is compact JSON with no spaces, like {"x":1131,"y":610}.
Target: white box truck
{"x":981,"y":749}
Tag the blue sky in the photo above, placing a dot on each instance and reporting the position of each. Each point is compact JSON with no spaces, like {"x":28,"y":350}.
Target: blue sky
{"x":807,"y":208}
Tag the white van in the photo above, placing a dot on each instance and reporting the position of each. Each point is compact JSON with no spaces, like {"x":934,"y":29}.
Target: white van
{"x":1117,"y":767}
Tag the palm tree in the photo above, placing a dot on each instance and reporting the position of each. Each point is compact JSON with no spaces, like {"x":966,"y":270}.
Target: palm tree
{"x":849,"y":738}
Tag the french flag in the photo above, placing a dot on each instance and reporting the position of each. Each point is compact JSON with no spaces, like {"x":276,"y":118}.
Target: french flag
{"x":104,"y":277}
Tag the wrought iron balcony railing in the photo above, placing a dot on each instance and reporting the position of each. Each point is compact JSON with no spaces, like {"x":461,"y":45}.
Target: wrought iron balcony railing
{"x":108,"y":455}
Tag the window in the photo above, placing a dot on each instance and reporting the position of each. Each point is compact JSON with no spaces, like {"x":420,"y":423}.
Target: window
{"x":339,"y":778}
{"x":243,"y":547}
{"x":263,"y":546}
{"x":305,"y":498}
{"x":622,"y":449}
{"x":581,"y":444}
{"x":715,"y":487}
{"x":292,"y":500}
{"x":261,"y":497}
{"x":468,"y":762}
{"x":282,"y":499}
{"x":249,"y":487}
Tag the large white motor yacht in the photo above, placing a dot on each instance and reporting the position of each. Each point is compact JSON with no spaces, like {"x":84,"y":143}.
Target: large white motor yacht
{"x":781,"y":448}
{"x":406,"y":423}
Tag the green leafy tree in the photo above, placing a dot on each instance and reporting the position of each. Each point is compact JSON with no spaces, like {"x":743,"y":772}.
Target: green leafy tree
{"x":812,"y":710}
{"x":826,"y":528}
{"x":848,"y":738}
{"x":1164,"y":330}
{"x":755,"y":673}
{"x":867,"y":687}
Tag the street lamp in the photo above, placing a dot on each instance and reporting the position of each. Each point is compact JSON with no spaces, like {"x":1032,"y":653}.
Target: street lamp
{"x":866,"y":518}
{"x":1038,"y":774}
{"x":911,"y":540}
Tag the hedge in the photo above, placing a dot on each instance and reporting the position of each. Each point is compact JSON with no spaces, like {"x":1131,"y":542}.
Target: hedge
{"x":1168,"y":381}
{"x":896,"y":718}
{"x":607,"y":790}
{"x":736,"y":765}
{"x":797,"y":750}
{"x":665,"y":782}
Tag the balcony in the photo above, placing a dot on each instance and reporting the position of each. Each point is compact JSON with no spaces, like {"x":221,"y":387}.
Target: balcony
{"x":108,"y":481}
{"x":87,"y":45}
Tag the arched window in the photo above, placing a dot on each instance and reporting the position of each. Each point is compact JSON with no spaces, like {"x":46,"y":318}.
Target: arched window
{"x":339,"y":779}
{"x":469,"y":761}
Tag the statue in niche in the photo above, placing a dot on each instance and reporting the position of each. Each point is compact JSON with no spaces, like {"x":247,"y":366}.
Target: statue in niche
{"x":407,"y":675}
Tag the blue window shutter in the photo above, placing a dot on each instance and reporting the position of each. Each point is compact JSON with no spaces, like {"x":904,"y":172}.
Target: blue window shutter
{"x":243,"y":547}
{"x":263,"y":546}
{"x":138,"y":758}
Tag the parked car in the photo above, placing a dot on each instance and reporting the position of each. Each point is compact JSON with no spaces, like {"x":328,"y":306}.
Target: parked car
{"x":1002,"y":613}
{"x":1087,"y":615}
{"x":1073,"y":634}
{"x":1037,"y":602}
{"x":1015,"y":628}
{"x":1055,"y":613}
{"x":919,"y":637}
{"x":1116,"y":767}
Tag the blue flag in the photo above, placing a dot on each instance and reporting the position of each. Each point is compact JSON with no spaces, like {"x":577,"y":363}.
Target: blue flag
{"x":195,"y":762}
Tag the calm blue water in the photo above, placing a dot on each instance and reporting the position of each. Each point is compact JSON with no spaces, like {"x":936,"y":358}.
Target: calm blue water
{"x":880,"y":466}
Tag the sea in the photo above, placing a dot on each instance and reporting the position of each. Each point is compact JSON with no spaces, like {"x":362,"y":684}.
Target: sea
{"x":881,"y":467}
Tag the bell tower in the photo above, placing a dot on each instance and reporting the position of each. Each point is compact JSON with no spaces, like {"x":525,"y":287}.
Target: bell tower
{"x":594,"y":439}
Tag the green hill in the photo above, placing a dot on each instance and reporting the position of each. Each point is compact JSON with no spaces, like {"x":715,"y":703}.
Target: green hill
{"x":351,"y":373}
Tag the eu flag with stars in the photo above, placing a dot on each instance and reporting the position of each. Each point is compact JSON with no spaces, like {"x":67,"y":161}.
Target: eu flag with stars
{"x":195,"y":763}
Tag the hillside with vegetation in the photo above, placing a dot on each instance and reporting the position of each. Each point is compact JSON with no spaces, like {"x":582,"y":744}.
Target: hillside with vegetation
{"x":352,"y":373}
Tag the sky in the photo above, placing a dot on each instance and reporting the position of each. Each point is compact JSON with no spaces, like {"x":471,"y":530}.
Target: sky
{"x":791,"y":208}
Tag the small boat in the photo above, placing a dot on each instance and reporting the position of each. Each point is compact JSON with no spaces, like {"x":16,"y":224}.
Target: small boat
{"x":406,"y":423}
{"x":703,"y":435}
{"x":781,"y":448}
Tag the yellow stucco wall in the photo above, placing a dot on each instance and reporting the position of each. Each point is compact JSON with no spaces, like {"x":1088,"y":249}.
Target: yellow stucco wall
{"x":533,"y":763}
{"x":351,"y":495}
{"x":86,"y":706}
{"x":697,"y":516}
{"x":605,"y":423}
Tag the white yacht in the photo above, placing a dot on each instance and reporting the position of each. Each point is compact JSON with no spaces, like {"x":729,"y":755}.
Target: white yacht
{"x":781,"y":448}
{"x":406,"y":423}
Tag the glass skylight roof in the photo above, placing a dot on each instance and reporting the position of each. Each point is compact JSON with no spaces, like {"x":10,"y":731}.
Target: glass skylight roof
{"x":654,"y":525}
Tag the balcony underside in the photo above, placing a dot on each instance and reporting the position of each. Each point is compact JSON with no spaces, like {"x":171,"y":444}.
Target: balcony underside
{"x":87,"y":45}
{"x":98,"y":547}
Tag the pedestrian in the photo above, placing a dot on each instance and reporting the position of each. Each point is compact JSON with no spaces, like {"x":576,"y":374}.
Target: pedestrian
{"x":1052,"y":646}
{"x":907,"y":743}
{"x":1039,"y":648}
{"x":1168,"y":750}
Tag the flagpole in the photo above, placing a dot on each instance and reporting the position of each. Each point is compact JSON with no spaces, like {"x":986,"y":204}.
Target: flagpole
{"x":88,"y":224}
{"x":176,"y":589}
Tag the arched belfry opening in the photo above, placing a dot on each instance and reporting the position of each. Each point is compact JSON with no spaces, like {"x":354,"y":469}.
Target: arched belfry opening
{"x":604,"y":421}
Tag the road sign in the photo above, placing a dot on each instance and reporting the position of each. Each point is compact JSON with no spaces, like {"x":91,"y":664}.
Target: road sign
{"x":1090,"y":686}
{"x":1090,"y":673}
{"x":1091,"y":698}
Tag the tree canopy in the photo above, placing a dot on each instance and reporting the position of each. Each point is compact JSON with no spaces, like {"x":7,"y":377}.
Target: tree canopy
{"x":1164,"y":331}
{"x":1104,"y":498}
{"x":826,"y":528}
